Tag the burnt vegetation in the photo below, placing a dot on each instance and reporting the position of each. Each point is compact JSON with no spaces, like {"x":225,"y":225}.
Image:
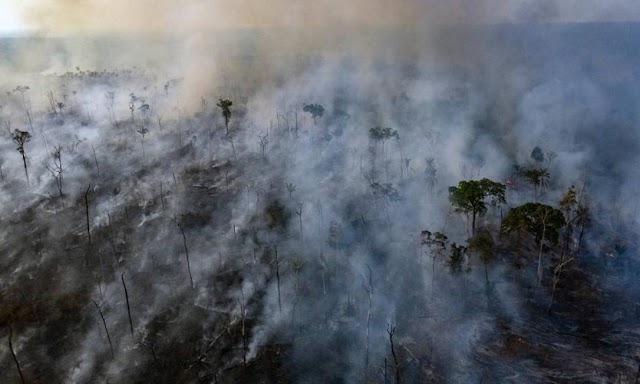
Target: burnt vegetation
{"x":145,"y":243}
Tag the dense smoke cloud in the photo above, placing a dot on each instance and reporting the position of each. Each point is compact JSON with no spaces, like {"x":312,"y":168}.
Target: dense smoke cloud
{"x":183,"y":17}
{"x":468,"y":101}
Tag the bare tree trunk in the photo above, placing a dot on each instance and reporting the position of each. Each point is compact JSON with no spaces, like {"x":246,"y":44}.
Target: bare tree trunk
{"x":369,"y":290}
{"x":298,"y":212}
{"x":86,"y":205}
{"x":243,"y":313}
{"x":30,"y":121}
{"x":433,"y":274}
{"x":473,"y":224}
{"x":541,"y":245}
{"x":161,"y":196}
{"x":391,"y":330}
{"x":126,"y":295}
{"x":556,"y":278}
{"x":105,"y":328}
{"x":24,"y":162}
{"x":13,"y":354}
{"x":95,"y":159}
{"x":186,"y":250}
{"x":580,"y":236}
{"x":278,"y":279}
{"x":385,"y":370}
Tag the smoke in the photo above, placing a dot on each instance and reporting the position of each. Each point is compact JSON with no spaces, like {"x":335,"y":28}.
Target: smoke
{"x":467,"y":99}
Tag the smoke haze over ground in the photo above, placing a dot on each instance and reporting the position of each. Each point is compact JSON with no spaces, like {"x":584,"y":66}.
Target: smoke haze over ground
{"x":284,"y":247}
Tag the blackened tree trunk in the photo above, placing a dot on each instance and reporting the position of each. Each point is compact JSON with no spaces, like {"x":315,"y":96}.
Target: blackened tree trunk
{"x":24,"y":162}
{"x":390,"y":331}
{"x":278,"y":279}
{"x":86,"y":205}
{"x":105,"y":328}
{"x":186,"y":250}
{"x":13,"y":354}
{"x":126,"y":296}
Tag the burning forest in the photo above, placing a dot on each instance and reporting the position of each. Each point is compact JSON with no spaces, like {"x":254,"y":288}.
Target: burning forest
{"x":230,"y":192}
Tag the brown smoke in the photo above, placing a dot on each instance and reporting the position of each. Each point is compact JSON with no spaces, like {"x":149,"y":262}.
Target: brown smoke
{"x":200,"y":30}
{"x":186,"y":16}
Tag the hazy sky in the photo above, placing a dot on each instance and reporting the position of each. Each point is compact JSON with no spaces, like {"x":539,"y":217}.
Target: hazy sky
{"x":69,"y":16}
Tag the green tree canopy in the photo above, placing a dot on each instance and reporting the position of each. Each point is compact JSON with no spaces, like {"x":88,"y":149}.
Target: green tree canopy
{"x":382,"y":134}
{"x":470,"y":197}
{"x":316,"y":110}
{"x":541,"y":221}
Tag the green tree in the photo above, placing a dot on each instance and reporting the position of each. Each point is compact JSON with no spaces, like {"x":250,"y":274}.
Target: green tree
{"x":316,"y":111}
{"x":541,"y":221}
{"x":382,"y":134}
{"x":470,"y":197}
{"x":225,"y":106}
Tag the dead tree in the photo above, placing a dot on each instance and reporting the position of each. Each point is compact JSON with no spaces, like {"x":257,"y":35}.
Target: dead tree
{"x":278,"y":278}
{"x":186,"y":250}
{"x":229,"y":138}
{"x":86,"y":206}
{"x":95,"y":159}
{"x":52,"y":102}
{"x":263,"y":141}
{"x":13,"y":354}
{"x":290,"y":188}
{"x":60,"y":106}
{"x":22,"y":89}
{"x":21,"y":138}
{"x":161,"y":196}
{"x":126,"y":296}
{"x":132,"y":104}
{"x":390,"y":331}
{"x":142,"y":130}
{"x":298,"y":212}
{"x":385,"y":371}
{"x":55,"y":167}
{"x":106,"y":330}
{"x":1,"y":173}
{"x":111,"y":96}
{"x":557,"y":271}
{"x":369,"y":290}
{"x":243,"y":315}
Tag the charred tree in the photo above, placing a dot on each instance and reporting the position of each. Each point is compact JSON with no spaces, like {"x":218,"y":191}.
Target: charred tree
{"x":13,"y":354}
{"x":186,"y":249}
{"x":106,"y":330}
{"x":126,"y":296}
{"x":86,"y":206}
{"x":390,"y":331}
